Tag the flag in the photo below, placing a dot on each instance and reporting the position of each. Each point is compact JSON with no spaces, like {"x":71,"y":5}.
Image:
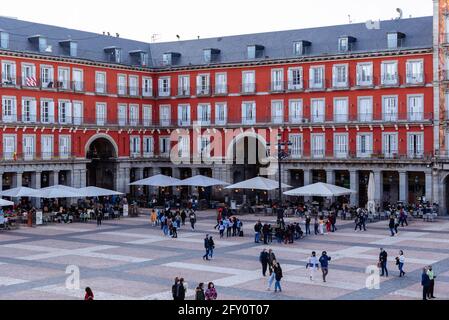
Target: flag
{"x":31,"y":82}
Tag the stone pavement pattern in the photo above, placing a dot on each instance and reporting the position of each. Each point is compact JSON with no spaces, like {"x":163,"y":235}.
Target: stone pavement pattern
{"x":131,"y":260}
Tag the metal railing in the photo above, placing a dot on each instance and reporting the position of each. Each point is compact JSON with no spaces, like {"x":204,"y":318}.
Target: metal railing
{"x":36,"y":156}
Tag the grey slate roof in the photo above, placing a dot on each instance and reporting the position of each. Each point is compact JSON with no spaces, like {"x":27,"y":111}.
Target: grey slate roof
{"x":278,"y":45}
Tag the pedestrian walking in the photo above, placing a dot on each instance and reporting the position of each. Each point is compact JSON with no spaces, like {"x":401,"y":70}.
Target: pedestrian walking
{"x":207,"y":247}
{"x":199,"y":292}
{"x":264,"y":259}
{"x":324,"y":262}
{"x":333,"y":220}
{"x":425,"y":282}
{"x":89,"y":294}
{"x":400,"y":260}
{"x":312,"y":265}
{"x":221,"y":229}
{"x":391,"y":225}
{"x":316,"y":226}
{"x":383,"y":260}
{"x":211,"y":247}
{"x":308,"y":220}
{"x":257,"y":230}
{"x":278,"y":277}
{"x":99,"y":218}
{"x":432,"y":277}
{"x":211,"y":292}
{"x":192,"y":218}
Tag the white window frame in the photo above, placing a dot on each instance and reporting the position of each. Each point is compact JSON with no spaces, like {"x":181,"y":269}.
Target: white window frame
{"x":67,"y":119}
{"x":32,"y":74}
{"x":64,"y":78}
{"x":164,"y":141}
{"x":393,"y":151}
{"x":165,"y":120}
{"x":122,"y":114}
{"x":9,"y":103}
{"x":148,"y":146}
{"x":387,"y":113}
{"x":47,"y":78}
{"x":134,"y":114}
{"x":364,"y":79}
{"x":221,"y":87}
{"x":248,"y":87}
{"x":203,"y":84}
{"x":147,"y":86}
{"x":51,"y":111}
{"x":77,"y":119}
{"x":101,"y":121}
{"x":47,"y":155}
{"x":296,"y":116}
{"x":29,"y":152}
{"x":413,"y":77}
{"x":339,"y":116}
{"x":147,"y":115}
{"x":389,"y":79}
{"x":245,"y":112}
{"x":218,"y":119}
{"x":184,"y":114}
{"x":363,"y":116}
{"x":341,"y":150}
{"x":336,"y":81}
{"x":277,"y":111}
{"x":9,"y":73}
{"x":65,"y":150}
{"x":135,"y":148}
{"x":317,"y":153}
{"x":207,"y":112}
{"x":419,"y":152}
{"x":293,"y":83}
{"x":164,"y":86}
{"x":367,"y":150}
{"x":277,"y":79}
{"x":415,"y":113}
{"x":184,"y":85}
{"x":183,"y":146}
{"x":78,"y":84}
{"x":297,"y":148}
{"x":133,"y":85}
{"x":312,"y":77}
{"x":32,"y":116}
{"x":9,"y":154}
{"x":100,"y":87}
{"x":316,"y":116}
{"x":122,"y":84}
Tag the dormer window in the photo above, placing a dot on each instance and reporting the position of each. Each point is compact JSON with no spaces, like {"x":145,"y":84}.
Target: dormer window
{"x":346,"y":43}
{"x":139,"y":57}
{"x":170,"y":58}
{"x":255,"y":51}
{"x":70,"y":47}
{"x":211,"y":55}
{"x":395,"y":40}
{"x":40,"y":43}
{"x":4,"y":40}
{"x":114,"y":54}
{"x":300,"y":48}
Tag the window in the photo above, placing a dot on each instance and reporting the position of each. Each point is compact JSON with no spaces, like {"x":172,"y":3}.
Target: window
{"x":207,"y":55}
{"x":277,"y":111}
{"x":134,"y":114}
{"x":134,"y":146}
{"x":364,"y":145}
{"x":298,"y":48}
{"x":65,"y":112}
{"x":9,"y":146}
{"x":390,"y":73}
{"x":277,"y":80}
{"x":341,"y":110}
{"x":390,"y":108}
{"x":390,"y":144}
{"x":249,"y":113}
{"x":183,"y":115}
{"x":415,"y":108}
{"x":164,"y":146}
{"x":122,"y":114}
{"x":340,"y":145}
{"x":8,"y":73}
{"x":147,"y":115}
{"x":203,"y":146}
{"x":221,"y":86}
{"x":78,"y":80}
{"x":148,"y":146}
{"x":343,"y":44}
{"x":295,"y":111}
{"x":4,"y":40}
{"x":297,"y":147}
{"x":340,"y":76}
{"x":133,"y":86}
{"x":9,"y":109}
{"x":415,"y":145}
{"x":121,"y":83}
{"x":204,"y":114}
{"x":365,"y":106}
{"x":167,"y":59}
{"x":249,"y":82}
{"x":143,"y":59}
{"x":29,"y":147}
{"x":415,"y":72}
{"x":77,"y":112}
{"x":365,"y":74}
{"x":317,"y":109}
{"x":64,"y":78}
{"x":184,"y":146}
{"x":47,"y":77}
{"x":43,"y":46}
{"x":29,"y":110}
{"x":295,"y":79}
{"x":47,"y":111}
{"x":64,"y":147}
{"x":395,"y":40}
{"x":73,"y":49}
{"x":47,"y":147}
{"x":184,"y":86}
{"x":316,"y":77}
{"x":101,"y":114}
{"x":100,"y":82}
{"x":221,"y":113}
{"x":165,"y":115}
{"x":29,"y":75}
{"x":318,"y":145}
{"x":164,"y":87}
{"x":147,"y":87}
{"x":203,"y":84}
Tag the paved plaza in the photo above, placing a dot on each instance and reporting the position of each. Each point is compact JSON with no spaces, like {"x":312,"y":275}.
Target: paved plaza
{"x":129,"y":259}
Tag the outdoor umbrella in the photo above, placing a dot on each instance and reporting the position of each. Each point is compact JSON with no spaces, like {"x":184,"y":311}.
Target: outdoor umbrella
{"x":157,"y":181}
{"x":59,"y":191}
{"x":201,"y":181}
{"x":97,"y":192}
{"x":371,"y":194}
{"x":5,"y":203}
{"x":320,"y":190}
{"x":20,"y":192}
{"x":258,"y":183}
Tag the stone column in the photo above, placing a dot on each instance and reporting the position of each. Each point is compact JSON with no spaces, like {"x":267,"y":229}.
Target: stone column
{"x":378,"y":194}
{"x":403,"y":187}
{"x":127,"y":179}
{"x":138,"y":176}
{"x":354,"y":181}
{"x":176,"y":173}
{"x":36,"y":184}
{"x":83,"y":178}
{"x":308,"y":178}
{"x":330,"y":176}
{"x":55,"y":177}
{"x":19,"y":176}
{"x":1,"y":181}
{"x":429,"y":187}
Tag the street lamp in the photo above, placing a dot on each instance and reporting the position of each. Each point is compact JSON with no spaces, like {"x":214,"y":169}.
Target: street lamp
{"x":282,"y":155}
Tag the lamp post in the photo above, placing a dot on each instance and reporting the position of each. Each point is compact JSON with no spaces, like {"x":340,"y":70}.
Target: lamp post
{"x":282,"y":155}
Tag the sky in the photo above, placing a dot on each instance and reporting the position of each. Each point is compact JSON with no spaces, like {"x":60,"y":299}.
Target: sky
{"x":162,"y":20}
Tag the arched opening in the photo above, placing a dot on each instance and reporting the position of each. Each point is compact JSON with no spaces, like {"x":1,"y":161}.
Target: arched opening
{"x":101,"y":169}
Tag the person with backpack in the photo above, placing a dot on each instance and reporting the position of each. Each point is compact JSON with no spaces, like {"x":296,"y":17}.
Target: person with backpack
{"x":277,"y":270}
{"x":211,"y":247}
{"x":400,"y":260}
{"x":264,"y":259}
{"x":206,"y":246}
{"x":324,"y":262}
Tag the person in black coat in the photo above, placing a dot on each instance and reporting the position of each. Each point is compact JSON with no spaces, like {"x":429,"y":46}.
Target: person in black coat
{"x":277,"y":276}
{"x":392,"y":225}
{"x":264,"y":258}
{"x":425,"y":282}
{"x":383,"y":259}
{"x":207,"y":247}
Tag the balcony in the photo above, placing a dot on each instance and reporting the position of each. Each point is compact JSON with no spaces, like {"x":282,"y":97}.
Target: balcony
{"x":183,"y":92}
{"x":9,"y":82}
{"x":340,"y":84}
{"x":390,"y":80}
{"x":317,"y":86}
{"x":221,"y":90}
{"x":203,"y":92}
{"x":415,"y":79}
{"x":35,"y":156}
{"x":277,"y":87}
{"x":295,"y":86}
{"x":248,"y":89}
{"x":164,"y":93}
{"x":364,"y":82}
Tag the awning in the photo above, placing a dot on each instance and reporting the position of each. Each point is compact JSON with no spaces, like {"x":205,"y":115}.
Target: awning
{"x":320,"y":190}
{"x":157,"y":181}
{"x":258,"y":183}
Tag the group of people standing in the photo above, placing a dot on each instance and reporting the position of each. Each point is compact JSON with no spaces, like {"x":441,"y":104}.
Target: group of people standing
{"x":180,"y":287}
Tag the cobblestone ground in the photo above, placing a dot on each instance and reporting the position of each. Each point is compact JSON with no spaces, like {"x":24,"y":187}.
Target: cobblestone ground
{"x":130,"y":259}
